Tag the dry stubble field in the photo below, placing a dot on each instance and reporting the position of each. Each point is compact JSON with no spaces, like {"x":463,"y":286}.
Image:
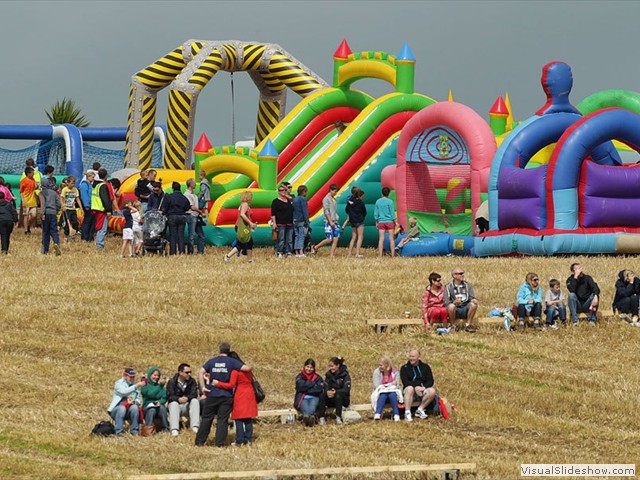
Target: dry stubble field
{"x":71,"y":323}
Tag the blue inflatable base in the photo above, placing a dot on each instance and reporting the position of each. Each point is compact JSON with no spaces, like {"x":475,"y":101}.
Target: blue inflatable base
{"x":435,"y":244}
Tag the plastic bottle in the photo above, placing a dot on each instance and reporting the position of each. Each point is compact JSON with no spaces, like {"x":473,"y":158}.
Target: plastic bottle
{"x":290,"y":418}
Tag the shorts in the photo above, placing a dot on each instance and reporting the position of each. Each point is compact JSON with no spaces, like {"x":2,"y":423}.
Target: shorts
{"x":462,"y":311}
{"x":29,"y":211}
{"x":331,"y":232}
{"x":386,"y":226}
{"x":127,"y":234}
{"x":137,"y":237}
{"x":356,"y":225}
{"x":416,"y":397}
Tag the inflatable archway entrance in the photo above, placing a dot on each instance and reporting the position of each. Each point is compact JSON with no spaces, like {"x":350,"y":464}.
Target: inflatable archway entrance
{"x":189,"y":68}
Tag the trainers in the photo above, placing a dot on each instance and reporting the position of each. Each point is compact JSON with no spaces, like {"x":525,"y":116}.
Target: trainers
{"x":194,"y":429}
{"x":321,"y":421}
{"x":339,"y":421}
{"x":56,"y":249}
{"x":421,"y":413}
{"x":226,"y":258}
{"x":521,"y":324}
{"x":536,"y":324}
{"x":470,"y":329}
{"x":407,"y":416}
{"x":174,"y":433}
{"x":314,"y":250}
{"x":396,"y":418}
{"x":306,"y":420}
{"x":553,"y":326}
{"x":377,"y":416}
{"x":592,"y":323}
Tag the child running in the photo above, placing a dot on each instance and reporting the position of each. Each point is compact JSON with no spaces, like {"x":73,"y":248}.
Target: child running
{"x":137,"y":216}
{"x":127,"y":230}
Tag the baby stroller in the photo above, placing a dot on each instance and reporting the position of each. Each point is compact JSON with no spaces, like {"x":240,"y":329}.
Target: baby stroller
{"x":154,"y":232}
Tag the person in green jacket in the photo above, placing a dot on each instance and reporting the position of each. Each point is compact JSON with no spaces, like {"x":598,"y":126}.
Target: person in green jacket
{"x":155,"y":398}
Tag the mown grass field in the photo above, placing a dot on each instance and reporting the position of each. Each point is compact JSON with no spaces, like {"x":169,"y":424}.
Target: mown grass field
{"x":71,"y":323}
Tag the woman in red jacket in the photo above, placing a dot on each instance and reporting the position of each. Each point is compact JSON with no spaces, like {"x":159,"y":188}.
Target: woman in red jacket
{"x":245,"y":407}
{"x":433,"y":309}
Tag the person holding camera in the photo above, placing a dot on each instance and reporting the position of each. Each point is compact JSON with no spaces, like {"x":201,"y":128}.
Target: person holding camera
{"x":125,"y":403}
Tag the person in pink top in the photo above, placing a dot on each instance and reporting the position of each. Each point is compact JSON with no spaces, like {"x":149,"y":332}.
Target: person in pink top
{"x":433,"y":309}
{"x":245,"y":407}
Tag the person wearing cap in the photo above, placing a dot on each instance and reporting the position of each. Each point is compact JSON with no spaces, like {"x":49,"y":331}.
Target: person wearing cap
{"x":331,"y":221}
{"x":460,"y":300}
{"x":175,"y":208}
{"x":219,"y":402}
{"x":125,"y":403}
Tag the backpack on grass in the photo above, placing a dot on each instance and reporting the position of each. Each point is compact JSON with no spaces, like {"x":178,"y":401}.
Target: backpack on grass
{"x":103,"y":429}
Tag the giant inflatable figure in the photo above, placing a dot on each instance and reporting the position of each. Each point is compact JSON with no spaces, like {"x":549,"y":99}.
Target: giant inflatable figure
{"x":585,"y":200}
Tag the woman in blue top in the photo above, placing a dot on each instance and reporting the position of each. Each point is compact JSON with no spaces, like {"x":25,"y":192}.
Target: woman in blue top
{"x":385,"y":215}
{"x":530,"y":301}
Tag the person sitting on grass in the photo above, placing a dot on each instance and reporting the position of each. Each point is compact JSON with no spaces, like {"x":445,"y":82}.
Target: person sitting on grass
{"x":337,"y":391}
{"x":412,"y":235}
{"x":417,"y":380}
{"x":626,"y":299}
{"x":309,"y":387}
{"x":529,"y":300}
{"x":554,"y":301}
{"x":433,"y":309}
{"x":460,"y":300}
{"x":155,"y":398}
{"x":125,"y":403}
{"x":386,"y":389}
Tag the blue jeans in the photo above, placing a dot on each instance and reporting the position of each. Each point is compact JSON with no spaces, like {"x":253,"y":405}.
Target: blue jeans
{"x":300,"y":233}
{"x":49,"y":231}
{"x":120,"y":413}
{"x":557,"y":310}
{"x":176,"y":233}
{"x":102,"y":233}
{"x":389,"y":397}
{"x":285,"y":239}
{"x":151,"y":412}
{"x":576,"y":306}
{"x":244,"y":431}
{"x":194,"y":232}
{"x":309,"y":405}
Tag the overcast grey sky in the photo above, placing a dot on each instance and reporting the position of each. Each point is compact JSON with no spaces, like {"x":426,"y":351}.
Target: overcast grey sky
{"x":89,"y":50}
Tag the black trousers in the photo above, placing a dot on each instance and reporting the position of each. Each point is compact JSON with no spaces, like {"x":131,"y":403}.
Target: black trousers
{"x":6,"y":227}
{"x":624,"y":305}
{"x":88,"y":229}
{"x":219,"y":407}
{"x":536,"y":311}
{"x":338,"y":401}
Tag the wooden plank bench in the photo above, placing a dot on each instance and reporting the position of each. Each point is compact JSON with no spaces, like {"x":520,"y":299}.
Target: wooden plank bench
{"x":448,"y":471}
{"x":284,"y":412}
{"x":378,"y":323}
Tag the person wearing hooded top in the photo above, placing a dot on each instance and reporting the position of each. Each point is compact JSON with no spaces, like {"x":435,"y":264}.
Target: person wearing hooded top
{"x":175,"y":208}
{"x":50,"y":203}
{"x":309,"y":387}
{"x":584,"y":294}
{"x":8,"y":218}
{"x":627,"y":290}
{"x":337,"y":390}
{"x":154,"y":397}
{"x":417,"y":380}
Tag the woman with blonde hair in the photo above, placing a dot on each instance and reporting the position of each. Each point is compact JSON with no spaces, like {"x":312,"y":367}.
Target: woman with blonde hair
{"x":529,"y":300}
{"x":386,"y":389}
{"x":244,"y":228}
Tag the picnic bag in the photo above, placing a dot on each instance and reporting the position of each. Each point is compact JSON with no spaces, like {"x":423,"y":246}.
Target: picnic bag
{"x":147,"y":430}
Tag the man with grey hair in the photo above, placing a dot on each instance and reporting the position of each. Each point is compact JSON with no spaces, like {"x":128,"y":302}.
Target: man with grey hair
{"x":417,"y":380}
{"x":194,"y":226}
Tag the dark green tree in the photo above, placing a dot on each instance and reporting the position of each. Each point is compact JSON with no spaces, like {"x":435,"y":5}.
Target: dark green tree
{"x":66,"y":111}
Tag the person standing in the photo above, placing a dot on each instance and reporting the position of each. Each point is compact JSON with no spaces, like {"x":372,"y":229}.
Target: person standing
{"x":176,"y":208}
{"x":101,"y":205}
{"x":70,"y":197}
{"x":245,"y":406}
{"x":331,"y":221}
{"x":356,"y":211}
{"x":28,"y":188}
{"x":300,"y":220}
{"x":282,"y":221}
{"x":8,"y":218}
{"x":88,"y":227}
{"x":385,"y":215}
{"x":195,"y":234}
{"x":126,"y":402}
{"x":584,"y":294}
{"x":219,"y":402}
{"x":244,"y":221}
{"x":50,"y":203}
{"x":460,"y":300}
{"x":204,"y":197}
{"x":182,"y":395}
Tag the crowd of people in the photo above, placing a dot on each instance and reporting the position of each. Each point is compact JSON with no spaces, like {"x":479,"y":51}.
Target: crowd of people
{"x":446,"y":304}
{"x":224,"y":389}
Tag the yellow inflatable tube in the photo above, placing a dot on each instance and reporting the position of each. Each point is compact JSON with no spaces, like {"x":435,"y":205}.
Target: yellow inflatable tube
{"x":230,"y":163}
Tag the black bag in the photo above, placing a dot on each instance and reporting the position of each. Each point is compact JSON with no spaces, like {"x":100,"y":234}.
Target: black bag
{"x":258,"y":391}
{"x":103,"y":429}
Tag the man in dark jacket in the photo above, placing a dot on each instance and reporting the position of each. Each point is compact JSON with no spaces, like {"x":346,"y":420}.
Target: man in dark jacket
{"x":626,"y":300}
{"x":102,"y":205}
{"x":182,"y":396}
{"x":584,"y":294}
{"x":417,"y":381}
{"x":8,"y":218}
{"x":175,"y":207}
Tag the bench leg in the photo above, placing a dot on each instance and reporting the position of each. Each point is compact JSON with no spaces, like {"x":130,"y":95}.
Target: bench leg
{"x":450,"y":475}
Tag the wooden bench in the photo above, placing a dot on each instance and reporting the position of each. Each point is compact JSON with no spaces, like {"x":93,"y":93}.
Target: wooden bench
{"x":379,"y":323}
{"x":284,"y":412}
{"x":448,"y":471}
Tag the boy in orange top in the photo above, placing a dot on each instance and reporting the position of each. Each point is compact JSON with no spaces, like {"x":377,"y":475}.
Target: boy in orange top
{"x":28,"y":188}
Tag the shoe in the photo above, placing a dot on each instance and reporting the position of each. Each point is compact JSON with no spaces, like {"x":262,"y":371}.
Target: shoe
{"x":174,"y":433}
{"x":194,"y":429}
{"x":226,"y":258}
{"x":377,"y":416}
{"x":536,"y":324}
{"x":521,"y":324}
{"x":396,"y":418}
{"x":321,"y":421}
{"x":470,"y":329}
{"x":314,"y":250}
{"x":339,"y":421}
{"x":592,"y":323}
{"x":56,"y":249}
{"x":421,"y":413}
{"x":359,"y":256}
{"x":553,"y":326}
{"x":407,"y":417}
{"x":306,"y":420}
{"x":634,"y":319}
{"x":575,"y":323}
{"x":279,"y":255}
{"x":312,"y":420}
{"x":637,"y":324}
